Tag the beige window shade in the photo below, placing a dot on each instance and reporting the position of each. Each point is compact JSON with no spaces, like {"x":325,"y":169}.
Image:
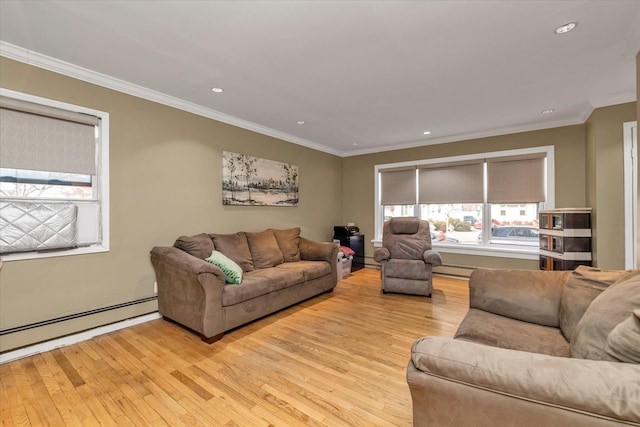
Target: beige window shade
{"x":515,"y":181}
{"x":398,"y":187}
{"x":37,"y":137}
{"x":451,"y":184}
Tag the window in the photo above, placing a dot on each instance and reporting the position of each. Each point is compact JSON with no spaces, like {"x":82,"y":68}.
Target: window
{"x":54,"y":197}
{"x":478,"y":203}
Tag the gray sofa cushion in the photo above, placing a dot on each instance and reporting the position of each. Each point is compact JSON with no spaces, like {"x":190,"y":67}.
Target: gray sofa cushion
{"x":498,"y":331}
{"x":623,"y":342}
{"x":264,"y":248}
{"x":234,"y":246}
{"x":200,"y":245}
{"x":583,"y":285}
{"x":310,"y":269}
{"x":289,"y":243}
{"x":610,"y":308}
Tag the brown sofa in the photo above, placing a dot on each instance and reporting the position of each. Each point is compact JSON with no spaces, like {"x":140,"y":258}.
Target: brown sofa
{"x":537,"y":348}
{"x":278,"y":268}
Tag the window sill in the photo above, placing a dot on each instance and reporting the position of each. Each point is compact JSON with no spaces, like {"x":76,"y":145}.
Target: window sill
{"x":503,"y":251}
{"x":54,"y":253}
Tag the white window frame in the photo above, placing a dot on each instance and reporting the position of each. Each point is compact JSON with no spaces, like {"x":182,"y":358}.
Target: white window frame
{"x":511,"y":251}
{"x":102,"y":173}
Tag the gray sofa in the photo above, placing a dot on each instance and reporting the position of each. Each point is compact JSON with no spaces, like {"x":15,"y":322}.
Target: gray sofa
{"x":537,"y":348}
{"x":278,"y":269}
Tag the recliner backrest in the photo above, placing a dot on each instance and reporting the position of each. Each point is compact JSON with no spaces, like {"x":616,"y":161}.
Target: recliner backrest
{"x":406,"y":237}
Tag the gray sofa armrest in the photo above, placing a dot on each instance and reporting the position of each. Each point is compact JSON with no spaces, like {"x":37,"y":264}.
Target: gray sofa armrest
{"x":189,"y":290}
{"x":432,"y":257}
{"x":528,"y":295}
{"x":381,"y":254}
{"x":608,"y":389}
{"x":318,"y":251}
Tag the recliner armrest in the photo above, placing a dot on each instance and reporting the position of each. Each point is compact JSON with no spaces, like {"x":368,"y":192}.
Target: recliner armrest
{"x":381,"y":254}
{"x":432,"y":257}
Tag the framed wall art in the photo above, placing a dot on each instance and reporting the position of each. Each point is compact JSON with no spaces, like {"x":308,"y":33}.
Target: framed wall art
{"x":252,"y":181}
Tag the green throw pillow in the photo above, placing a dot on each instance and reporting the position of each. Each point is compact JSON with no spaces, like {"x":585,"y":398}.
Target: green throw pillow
{"x":232,"y":271}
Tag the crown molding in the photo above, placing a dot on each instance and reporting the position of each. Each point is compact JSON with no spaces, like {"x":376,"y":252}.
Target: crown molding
{"x":469,"y":136}
{"x":65,"y":68}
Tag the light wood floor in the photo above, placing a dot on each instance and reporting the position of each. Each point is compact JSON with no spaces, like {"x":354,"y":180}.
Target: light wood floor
{"x":336,"y":360}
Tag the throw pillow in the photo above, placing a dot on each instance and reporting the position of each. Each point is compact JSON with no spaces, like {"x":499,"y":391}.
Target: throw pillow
{"x":235,"y":247}
{"x":200,"y":246}
{"x":289,"y":243}
{"x":232,"y":271}
{"x":606,"y":311}
{"x":264,"y":249}
{"x":583,"y":285}
{"x":623,"y":342}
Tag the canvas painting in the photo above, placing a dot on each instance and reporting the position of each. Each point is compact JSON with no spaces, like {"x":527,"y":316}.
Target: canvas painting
{"x":252,"y":181}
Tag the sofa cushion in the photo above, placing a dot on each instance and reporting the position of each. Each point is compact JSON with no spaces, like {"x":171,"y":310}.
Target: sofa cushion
{"x":234,"y":246}
{"x":498,"y":331}
{"x":260,"y":282}
{"x":583,"y":285}
{"x":200,"y":246}
{"x":289,"y":243}
{"x":623,"y":342}
{"x":252,"y":286}
{"x":310,"y":269}
{"x":264,"y":249}
{"x":407,"y":269}
{"x":607,"y":310}
{"x":232,"y":271}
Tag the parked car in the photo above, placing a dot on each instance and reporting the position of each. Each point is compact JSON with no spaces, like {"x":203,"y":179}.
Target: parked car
{"x":514,"y":235}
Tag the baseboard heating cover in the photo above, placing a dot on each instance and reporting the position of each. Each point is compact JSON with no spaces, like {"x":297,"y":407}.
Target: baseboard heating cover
{"x":35,"y":226}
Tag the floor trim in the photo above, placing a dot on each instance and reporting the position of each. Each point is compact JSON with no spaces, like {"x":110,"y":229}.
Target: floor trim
{"x":74,"y":338}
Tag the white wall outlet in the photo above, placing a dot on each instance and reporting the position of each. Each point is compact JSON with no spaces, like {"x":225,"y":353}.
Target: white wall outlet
{"x":155,"y":287}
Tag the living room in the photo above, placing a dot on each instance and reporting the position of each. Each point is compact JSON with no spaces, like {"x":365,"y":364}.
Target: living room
{"x":164,"y":181}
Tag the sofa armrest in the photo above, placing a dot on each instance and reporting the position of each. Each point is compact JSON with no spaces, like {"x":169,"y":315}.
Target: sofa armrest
{"x":609,"y":389}
{"x":528,"y":295}
{"x":318,"y":251}
{"x":189,"y":290}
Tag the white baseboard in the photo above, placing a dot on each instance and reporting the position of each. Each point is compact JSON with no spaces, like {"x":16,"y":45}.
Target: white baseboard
{"x":75,"y":338}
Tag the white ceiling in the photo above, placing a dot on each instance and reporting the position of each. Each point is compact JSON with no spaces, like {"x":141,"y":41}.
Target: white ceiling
{"x":364,"y":76}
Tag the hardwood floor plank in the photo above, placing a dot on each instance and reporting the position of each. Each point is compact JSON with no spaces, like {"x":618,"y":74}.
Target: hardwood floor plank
{"x":337,"y":359}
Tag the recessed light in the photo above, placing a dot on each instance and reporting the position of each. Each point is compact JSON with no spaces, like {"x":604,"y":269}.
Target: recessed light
{"x":562,"y":29}
{"x":217,"y":90}
{"x":547,"y":111}
{"x":427,"y":132}
{"x":300,"y":122}
{"x":355,"y":144}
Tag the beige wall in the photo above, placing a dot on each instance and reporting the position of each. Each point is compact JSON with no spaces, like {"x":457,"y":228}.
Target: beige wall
{"x":358,"y":181}
{"x":165,"y":178}
{"x":165,"y":181}
{"x":605,"y":181}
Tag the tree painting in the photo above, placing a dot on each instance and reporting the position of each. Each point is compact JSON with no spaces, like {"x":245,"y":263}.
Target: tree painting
{"x":249,"y":180}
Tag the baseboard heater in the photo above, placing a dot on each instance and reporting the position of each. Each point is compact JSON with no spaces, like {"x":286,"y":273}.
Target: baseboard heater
{"x":75,"y":316}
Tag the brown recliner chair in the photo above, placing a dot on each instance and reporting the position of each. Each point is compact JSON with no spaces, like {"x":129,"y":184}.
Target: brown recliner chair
{"x":406,"y":257}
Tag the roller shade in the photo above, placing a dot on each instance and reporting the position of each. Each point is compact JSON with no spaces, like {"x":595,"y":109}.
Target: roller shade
{"x":516,"y":181}
{"x":460,"y":183}
{"x":43,"y":138}
{"x":398,"y":187}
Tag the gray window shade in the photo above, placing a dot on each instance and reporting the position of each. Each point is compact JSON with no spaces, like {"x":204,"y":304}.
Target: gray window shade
{"x":398,"y":187}
{"x":37,"y":137}
{"x":451,"y":184}
{"x":515,"y":181}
